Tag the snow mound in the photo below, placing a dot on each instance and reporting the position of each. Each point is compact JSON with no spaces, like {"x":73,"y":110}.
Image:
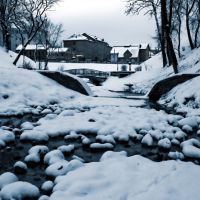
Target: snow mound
{"x":19,"y":190}
{"x":129,"y":178}
{"x":21,"y":89}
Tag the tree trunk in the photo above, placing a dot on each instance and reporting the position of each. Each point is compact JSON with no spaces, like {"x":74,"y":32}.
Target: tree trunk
{"x":188,"y":32}
{"x":179,"y":39}
{"x":27,"y":42}
{"x":165,"y":27}
{"x":161,"y":39}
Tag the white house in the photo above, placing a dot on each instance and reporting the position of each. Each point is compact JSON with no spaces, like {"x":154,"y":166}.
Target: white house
{"x":134,"y":54}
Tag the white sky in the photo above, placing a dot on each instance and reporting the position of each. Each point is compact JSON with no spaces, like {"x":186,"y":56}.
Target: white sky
{"x":105,"y":19}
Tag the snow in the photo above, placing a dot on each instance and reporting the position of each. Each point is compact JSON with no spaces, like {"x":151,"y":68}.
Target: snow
{"x":35,"y":153}
{"x":164,"y":143}
{"x":53,"y":66}
{"x":31,"y":47}
{"x":191,"y":148}
{"x":19,"y":190}
{"x":6,"y":136}
{"x":27,"y":126}
{"x":107,"y":122}
{"x":53,"y":157}
{"x":7,"y":178}
{"x":47,"y":186}
{"x":66,"y":148}
{"x":62,"y":168}
{"x":18,"y":91}
{"x":120,"y":177}
{"x":20,"y":166}
{"x":147,"y":140}
{"x":97,"y":146}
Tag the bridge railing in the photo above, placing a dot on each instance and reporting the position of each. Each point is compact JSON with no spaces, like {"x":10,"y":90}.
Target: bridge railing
{"x":88,"y":72}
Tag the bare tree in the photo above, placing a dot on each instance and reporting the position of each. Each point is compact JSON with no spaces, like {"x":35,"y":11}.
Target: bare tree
{"x":7,"y":10}
{"x":150,"y":7}
{"x":164,"y":33}
{"x":167,"y":36}
{"x":29,"y":19}
{"x":49,"y":36}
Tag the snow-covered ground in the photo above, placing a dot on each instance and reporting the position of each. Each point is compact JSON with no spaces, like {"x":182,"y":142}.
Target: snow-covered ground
{"x":95,"y":66}
{"x":153,"y":72}
{"x":100,"y":124}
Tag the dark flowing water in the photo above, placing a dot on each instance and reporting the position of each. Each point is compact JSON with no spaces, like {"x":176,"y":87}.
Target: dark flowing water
{"x":18,"y":150}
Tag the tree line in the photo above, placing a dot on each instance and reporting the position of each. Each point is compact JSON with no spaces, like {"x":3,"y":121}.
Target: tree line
{"x":172,"y":17}
{"x":29,"y":19}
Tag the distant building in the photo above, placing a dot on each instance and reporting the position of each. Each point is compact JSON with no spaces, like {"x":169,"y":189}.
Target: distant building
{"x":34,"y":52}
{"x":60,"y":54}
{"x":134,"y":54}
{"x":88,"y":48}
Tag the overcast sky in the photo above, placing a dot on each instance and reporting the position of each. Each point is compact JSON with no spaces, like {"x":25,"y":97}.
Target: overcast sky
{"x":105,"y":19}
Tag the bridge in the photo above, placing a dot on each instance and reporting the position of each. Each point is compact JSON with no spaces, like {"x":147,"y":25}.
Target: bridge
{"x":95,"y":76}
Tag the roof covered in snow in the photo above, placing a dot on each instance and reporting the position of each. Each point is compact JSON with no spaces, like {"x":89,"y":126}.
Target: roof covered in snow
{"x":85,"y":36}
{"x":133,"y":49}
{"x":31,"y":47}
{"x":120,"y":50}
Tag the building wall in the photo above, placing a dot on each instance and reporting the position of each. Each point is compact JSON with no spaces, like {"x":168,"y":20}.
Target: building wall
{"x":144,"y":55}
{"x":39,"y":55}
{"x":91,"y":50}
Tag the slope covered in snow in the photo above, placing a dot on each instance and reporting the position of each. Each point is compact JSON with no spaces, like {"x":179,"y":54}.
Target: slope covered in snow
{"x":153,"y":72}
{"x":22,"y":89}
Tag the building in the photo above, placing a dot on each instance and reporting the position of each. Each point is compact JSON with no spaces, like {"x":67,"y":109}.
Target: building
{"x":88,"y":48}
{"x":134,"y":54}
{"x":60,"y":54}
{"x":34,"y":52}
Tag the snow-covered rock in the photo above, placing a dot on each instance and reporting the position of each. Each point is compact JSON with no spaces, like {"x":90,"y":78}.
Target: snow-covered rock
{"x":47,"y":186}
{"x":191,"y":148}
{"x":7,"y":178}
{"x":19,"y":190}
{"x":62,"y":168}
{"x":99,"y":146}
{"x":20,"y":167}
{"x":66,"y":149}
{"x":147,"y":140}
{"x":53,"y":157}
{"x":6,"y":136}
{"x":164,"y":143}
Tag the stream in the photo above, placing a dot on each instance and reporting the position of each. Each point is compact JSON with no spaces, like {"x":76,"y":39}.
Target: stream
{"x":17,"y":150}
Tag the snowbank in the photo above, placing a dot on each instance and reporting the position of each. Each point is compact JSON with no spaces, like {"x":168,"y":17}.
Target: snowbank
{"x":184,"y":97}
{"x":153,"y":72}
{"x":21,"y":90}
{"x":119,"y":177}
